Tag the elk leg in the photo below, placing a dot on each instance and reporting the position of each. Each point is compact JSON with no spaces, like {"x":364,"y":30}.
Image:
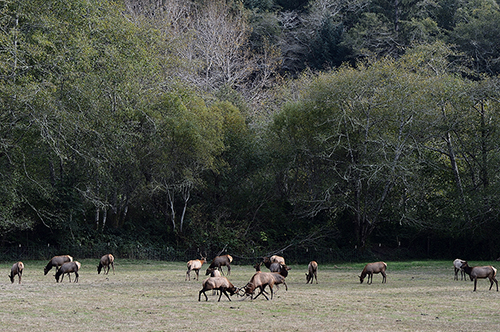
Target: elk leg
{"x":199,"y":295}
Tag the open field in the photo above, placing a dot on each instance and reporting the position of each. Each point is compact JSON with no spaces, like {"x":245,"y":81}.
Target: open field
{"x":153,"y":296}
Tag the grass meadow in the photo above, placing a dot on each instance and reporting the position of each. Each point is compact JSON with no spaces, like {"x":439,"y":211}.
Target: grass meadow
{"x":153,"y":296}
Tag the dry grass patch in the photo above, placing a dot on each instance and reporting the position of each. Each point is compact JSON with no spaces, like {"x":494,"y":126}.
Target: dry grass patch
{"x":153,"y":296}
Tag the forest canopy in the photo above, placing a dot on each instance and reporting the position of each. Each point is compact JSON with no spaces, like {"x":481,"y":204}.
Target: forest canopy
{"x":253,"y":126}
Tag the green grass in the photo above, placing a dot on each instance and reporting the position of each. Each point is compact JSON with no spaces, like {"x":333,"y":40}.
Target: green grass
{"x":153,"y":296}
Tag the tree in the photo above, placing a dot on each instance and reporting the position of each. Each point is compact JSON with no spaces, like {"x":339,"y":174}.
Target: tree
{"x":475,"y":33}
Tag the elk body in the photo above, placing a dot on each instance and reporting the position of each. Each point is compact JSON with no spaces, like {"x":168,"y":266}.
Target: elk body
{"x":312,"y":272}
{"x":194,"y":265}
{"x":273,"y":259}
{"x":457,"y":265}
{"x":105,"y":262}
{"x":280,"y":268}
{"x":262,"y":279}
{"x":220,"y":261}
{"x":481,"y":272}
{"x":217,"y":283}
{"x":16,"y":269}
{"x":372,"y":268}
{"x":57,"y":261}
{"x":67,"y":268}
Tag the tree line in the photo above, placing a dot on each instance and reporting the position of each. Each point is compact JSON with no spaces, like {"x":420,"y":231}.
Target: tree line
{"x":251,"y":125}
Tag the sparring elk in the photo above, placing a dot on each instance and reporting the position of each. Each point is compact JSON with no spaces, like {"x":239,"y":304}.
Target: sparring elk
{"x":220,"y":261}
{"x":481,"y":272}
{"x":67,"y":268}
{"x":312,"y":272}
{"x":370,"y":269}
{"x":57,"y":261}
{"x":218,"y":283}
{"x":194,"y":265}
{"x":457,"y":265}
{"x":105,"y":262}
{"x":262,"y":279}
{"x":16,"y":269}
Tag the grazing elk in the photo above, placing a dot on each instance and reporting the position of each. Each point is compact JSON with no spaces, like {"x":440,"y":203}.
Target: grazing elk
{"x":105,"y":262}
{"x":280,"y":268}
{"x":370,"y":269}
{"x":312,"y":272}
{"x":17,"y":269}
{"x":220,"y":261}
{"x":481,"y":272}
{"x":218,"y":283}
{"x":57,"y":261}
{"x":262,"y":279}
{"x":67,"y":268}
{"x":457,"y":265}
{"x":273,"y":259}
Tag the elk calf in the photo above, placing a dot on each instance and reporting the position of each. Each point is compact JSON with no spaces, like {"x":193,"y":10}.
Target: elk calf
{"x":105,"y":262}
{"x":67,"y":268}
{"x":481,"y":272}
{"x":370,"y":269}
{"x":17,"y":269}
{"x":217,"y":283}
{"x":312,"y":272}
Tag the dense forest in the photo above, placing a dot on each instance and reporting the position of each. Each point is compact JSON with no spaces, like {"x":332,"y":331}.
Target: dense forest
{"x":253,"y":126}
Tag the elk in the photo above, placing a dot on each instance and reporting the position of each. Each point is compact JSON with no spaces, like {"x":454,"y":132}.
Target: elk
{"x":68,"y":268}
{"x":213,"y":272}
{"x":262,"y":279}
{"x":457,"y":265}
{"x":273,"y":259}
{"x":219,"y":261}
{"x":218,"y":283}
{"x":481,"y":272}
{"x":105,"y":262}
{"x":194,"y":265}
{"x":57,"y":261}
{"x":370,"y":269}
{"x":312,"y":272}
{"x":17,"y":269}
{"x":280,"y":268}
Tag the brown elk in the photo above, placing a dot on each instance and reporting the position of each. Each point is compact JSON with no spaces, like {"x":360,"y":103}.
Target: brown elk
{"x":370,"y":269}
{"x":194,"y":265}
{"x":57,"y":261}
{"x":105,"y":262}
{"x":262,"y":279}
{"x":273,"y":259}
{"x":220,"y":261}
{"x":312,"y":272}
{"x":218,"y":283}
{"x":67,"y":268}
{"x":280,"y":268}
{"x":457,"y":265}
{"x":481,"y":272}
{"x":17,"y":269}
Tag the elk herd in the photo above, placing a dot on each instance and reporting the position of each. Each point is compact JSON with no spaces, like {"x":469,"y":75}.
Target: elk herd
{"x":64,"y":264}
{"x":278,"y":271}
